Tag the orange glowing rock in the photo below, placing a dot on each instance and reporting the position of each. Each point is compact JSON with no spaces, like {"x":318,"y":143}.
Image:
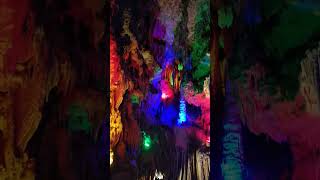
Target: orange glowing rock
{"x":117,"y":90}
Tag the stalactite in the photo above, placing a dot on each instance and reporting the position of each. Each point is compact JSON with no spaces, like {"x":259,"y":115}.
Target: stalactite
{"x":199,"y":166}
{"x":310,"y":80}
{"x":193,"y":165}
{"x":150,"y":62}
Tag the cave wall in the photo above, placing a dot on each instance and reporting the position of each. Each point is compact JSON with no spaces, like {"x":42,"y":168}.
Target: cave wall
{"x":50,"y":46}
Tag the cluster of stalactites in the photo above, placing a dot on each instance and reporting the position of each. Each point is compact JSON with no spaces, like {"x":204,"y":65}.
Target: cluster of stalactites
{"x":192,"y":12}
{"x":198,"y":166}
{"x":170,"y":15}
{"x":136,"y":57}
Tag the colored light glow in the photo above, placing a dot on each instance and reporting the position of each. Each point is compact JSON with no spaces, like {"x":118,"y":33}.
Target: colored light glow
{"x":171,"y":79}
{"x":169,"y":55}
{"x":134,"y":99}
{"x":111,"y":157}
{"x":208,"y":142}
{"x":158,"y":175}
{"x":146,"y":141}
{"x":164,"y":96}
{"x":182,"y":113}
{"x":78,"y":119}
{"x":166,"y":90}
{"x":180,"y":67}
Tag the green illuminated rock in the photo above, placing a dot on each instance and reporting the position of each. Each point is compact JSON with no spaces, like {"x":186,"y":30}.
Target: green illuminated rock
{"x":147,"y":142}
{"x":134,"y":99}
{"x":180,"y":67}
{"x":203,"y":69}
{"x":78,"y":119}
{"x":225,"y":17}
{"x":200,"y":46}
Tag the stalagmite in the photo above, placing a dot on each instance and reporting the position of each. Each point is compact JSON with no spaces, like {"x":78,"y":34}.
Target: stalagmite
{"x":232,"y":166}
